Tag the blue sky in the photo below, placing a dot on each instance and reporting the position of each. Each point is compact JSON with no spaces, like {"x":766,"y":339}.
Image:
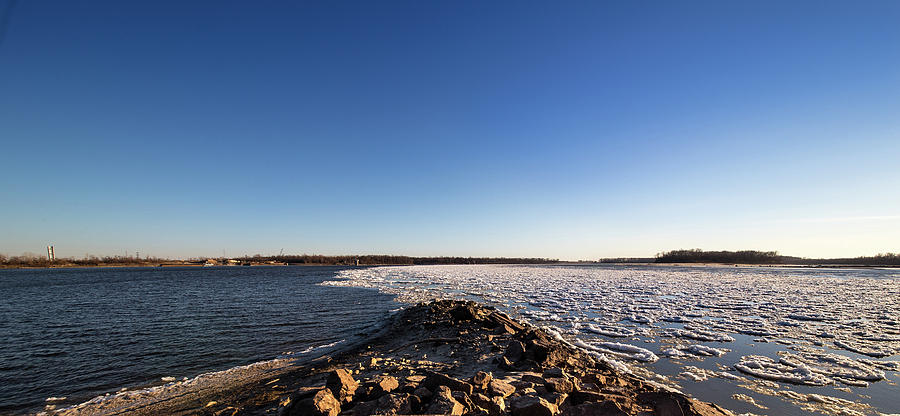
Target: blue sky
{"x":571,"y":130}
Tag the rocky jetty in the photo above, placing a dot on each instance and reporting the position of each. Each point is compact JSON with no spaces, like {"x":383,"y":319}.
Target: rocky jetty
{"x":438,"y":358}
{"x":459,"y":358}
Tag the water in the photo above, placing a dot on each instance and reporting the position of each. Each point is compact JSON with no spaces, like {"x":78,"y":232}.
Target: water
{"x":82,"y":332}
{"x":794,"y":341}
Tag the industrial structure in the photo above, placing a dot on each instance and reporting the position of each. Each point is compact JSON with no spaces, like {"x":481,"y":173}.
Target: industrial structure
{"x":51,"y":255}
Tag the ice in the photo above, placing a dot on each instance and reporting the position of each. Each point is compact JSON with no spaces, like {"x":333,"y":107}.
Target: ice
{"x":611,"y":331}
{"x":863,"y":349}
{"x":699,"y":335}
{"x":766,"y":368}
{"x":847,"y":315}
{"x":626,"y":351}
{"x":704,"y":350}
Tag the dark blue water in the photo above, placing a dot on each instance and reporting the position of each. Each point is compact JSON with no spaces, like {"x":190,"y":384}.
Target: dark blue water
{"x":82,"y":332}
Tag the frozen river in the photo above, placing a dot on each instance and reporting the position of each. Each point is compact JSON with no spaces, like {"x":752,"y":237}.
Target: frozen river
{"x":756,"y":340}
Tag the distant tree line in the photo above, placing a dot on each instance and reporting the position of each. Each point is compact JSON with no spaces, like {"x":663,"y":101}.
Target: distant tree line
{"x":628,"y":260}
{"x":33,"y":260}
{"x":700,"y":256}
{"x":767,"y":257}
{"x":371,"y":259}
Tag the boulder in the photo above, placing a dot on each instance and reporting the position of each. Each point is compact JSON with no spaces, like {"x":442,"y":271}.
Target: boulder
{"x":500,"y":388}
{"x":514,"y":351}
{"x":481,"y":380}
{"x":595,"y":409}
{"x":559,"y":385}
{"x":443,"y":403}
{"x":322,"y":403}
{"x":423,"y":393}
{"x":342,"y":385}
{"x":437,"y":379}
{"x":467,"y":312}
{"x":464,"y":400}
{"x":555,"y":372}
{"x":532,"y":406}
{"x":555,"y":398}
{"x":383,"y":384}
{"x":663,"y":403}
{"x":547,"y":353}
{"x":578,"y":397}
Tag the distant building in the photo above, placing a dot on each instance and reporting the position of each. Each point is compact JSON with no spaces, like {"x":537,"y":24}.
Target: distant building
{"x":51,"y":255}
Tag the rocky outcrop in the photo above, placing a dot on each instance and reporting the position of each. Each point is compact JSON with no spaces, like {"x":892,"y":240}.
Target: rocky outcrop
{"x":460,"y":358}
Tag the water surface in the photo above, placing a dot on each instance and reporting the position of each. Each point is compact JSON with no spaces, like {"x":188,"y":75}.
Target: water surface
{"x":82,"y":332}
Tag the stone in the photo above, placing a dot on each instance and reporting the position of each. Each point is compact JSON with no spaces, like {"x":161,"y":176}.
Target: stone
{"x":423,"y":394}
{"x":464,"y":400}
{"x":555,"y":398}
{"x":322,"y":403}
{"x":595,"y":409}
{"x":437,"y":379}
{"x":559,"y":385}
{"x":342,"y":385}
{"x":467,"y":312}
{"x":493,"y":405}
{"x":500,"y":388}
{"x":481,"y":380}
{"x":384,"y":384}
{"x":547,"y":354}
{"x":532,"y":378}
{"x":532,"y":406}
{"x":578,"y":397}
{"x":505,"y":364}
{"x":443,"y":403}
{"x":555,"y":372}
{"x":514,"y":351}
{"x":664,"y":404}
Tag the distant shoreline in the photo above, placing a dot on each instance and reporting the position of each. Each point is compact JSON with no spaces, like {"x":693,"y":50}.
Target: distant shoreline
{"x":561,"y":263}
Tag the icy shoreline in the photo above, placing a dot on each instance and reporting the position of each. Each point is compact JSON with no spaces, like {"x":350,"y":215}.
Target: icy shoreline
{"x":838,"y":332}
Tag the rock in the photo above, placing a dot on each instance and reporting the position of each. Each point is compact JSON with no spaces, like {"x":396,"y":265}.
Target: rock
{"x":384,"y":384}
{"x":699,"y":408}
{"x":415,"y":378}
{"x":595,"y":409}
{"x":526,"y":391}
{"x":464,"y":400}
{"x":388,"y":404}
{"x":423,"y":394}
{"x":342,"y":385}
{"x":555,"y":372}
{"x":322,"y":403}
{"x":532,"y":378}
{"x":500,"y":388}
{"x":559,"y":385}
{"x":555,"y":398}
{"x":547,"y":353}
{"x":467,"y":312}
{"x":664,"y":404}
{"x":522,"y":384}
{"x":514,"y":351}
{"x":481,"y":380}
{"x":499,"y":405}
{"x":443,"y":403}
{"x":494,"y":406}
{"x":532,"y":406}
{"x":505,"y":364}
{"x":437,"y":379}
{"x":578,"y":397}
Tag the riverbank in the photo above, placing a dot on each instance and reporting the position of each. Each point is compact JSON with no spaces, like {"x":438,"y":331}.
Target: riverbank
{"x":441,"y":357}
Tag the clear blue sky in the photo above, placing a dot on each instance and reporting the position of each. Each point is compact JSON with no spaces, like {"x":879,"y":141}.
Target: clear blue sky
{"x":572,"y":130}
